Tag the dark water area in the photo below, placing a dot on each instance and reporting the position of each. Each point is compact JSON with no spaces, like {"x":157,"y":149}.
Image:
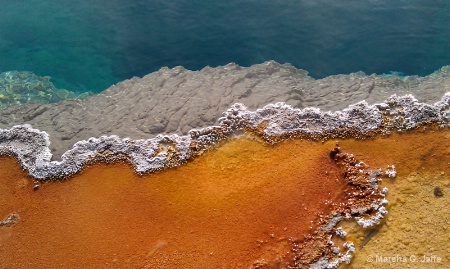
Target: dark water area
{"x":90,"y":45}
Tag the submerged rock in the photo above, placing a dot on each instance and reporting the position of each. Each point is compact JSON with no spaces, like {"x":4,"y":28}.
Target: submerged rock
{"x":23,"y":87}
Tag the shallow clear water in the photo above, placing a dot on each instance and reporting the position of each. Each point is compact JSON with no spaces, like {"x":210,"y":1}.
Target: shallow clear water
{"x":91,"y":45}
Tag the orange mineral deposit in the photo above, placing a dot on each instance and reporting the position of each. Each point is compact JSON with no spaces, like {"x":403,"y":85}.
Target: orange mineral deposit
{"x":239,"y":204}
{"x":243,"y":204}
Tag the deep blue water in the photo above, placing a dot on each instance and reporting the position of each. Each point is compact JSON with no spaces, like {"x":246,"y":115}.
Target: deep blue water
{"x":89,"y":45}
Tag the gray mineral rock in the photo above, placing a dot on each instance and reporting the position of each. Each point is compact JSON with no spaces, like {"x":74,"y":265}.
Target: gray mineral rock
{"x":173,"y":101}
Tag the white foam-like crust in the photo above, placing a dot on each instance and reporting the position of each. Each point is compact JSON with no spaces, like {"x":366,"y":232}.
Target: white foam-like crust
{"x":340,"y":232}
{"x":31,"y":146}
{"x":324,"y":263}
{"x":373,"y":219}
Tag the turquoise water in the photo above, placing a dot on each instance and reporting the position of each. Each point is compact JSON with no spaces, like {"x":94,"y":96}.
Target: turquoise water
{"x":89,"y":45}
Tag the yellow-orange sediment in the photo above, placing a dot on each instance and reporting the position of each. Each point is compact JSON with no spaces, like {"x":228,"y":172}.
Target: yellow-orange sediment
{"x":237,"y":204}
{"x":415,"y":232}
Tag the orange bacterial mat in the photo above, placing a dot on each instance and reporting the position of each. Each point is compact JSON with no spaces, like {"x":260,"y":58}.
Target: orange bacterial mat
{"x":238,"y":204}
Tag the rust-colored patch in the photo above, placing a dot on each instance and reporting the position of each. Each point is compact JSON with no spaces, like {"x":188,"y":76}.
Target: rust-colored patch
{"x":360,"y":192}
{"x":240,"y":203}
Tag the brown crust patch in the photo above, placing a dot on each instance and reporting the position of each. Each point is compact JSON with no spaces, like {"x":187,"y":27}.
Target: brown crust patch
{"x":360,"y":192}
